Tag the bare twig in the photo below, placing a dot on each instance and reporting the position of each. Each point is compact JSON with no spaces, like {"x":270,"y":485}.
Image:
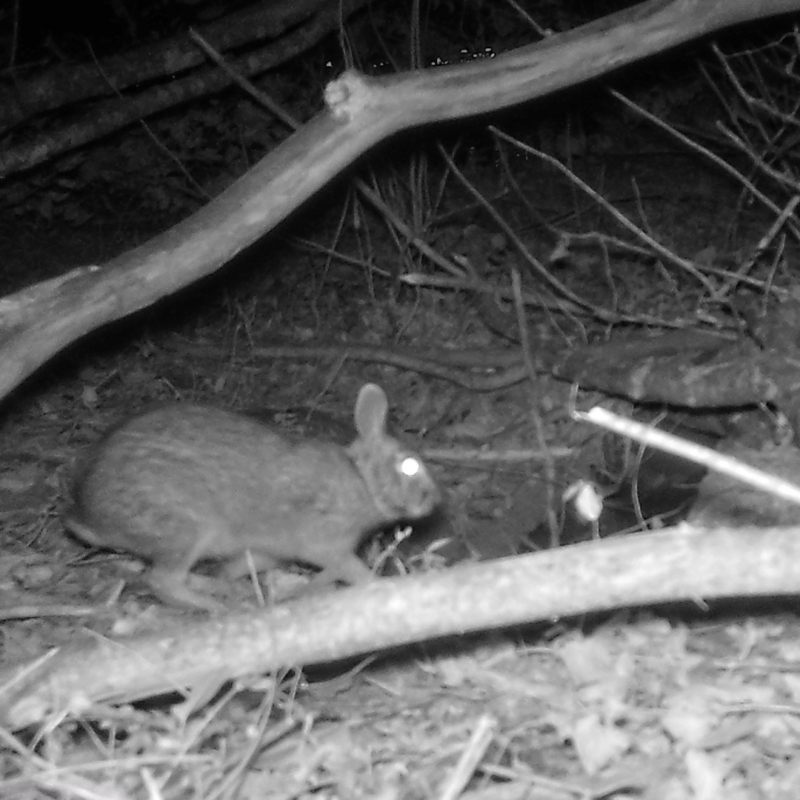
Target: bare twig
{"x":656,"y":246}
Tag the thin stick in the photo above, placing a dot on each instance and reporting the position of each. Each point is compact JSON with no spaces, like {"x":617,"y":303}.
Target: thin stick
{"x":669,"y":443}
{"x":470,"y":759}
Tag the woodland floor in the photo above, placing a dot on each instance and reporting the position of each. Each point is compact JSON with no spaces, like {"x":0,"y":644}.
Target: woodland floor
{"x":665,"y":703}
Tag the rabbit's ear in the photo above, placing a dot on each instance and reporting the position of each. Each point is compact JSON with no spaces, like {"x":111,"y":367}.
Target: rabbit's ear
{"x":371,"y":410}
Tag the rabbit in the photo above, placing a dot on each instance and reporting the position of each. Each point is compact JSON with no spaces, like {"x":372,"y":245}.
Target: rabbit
{"x":184,"y":483}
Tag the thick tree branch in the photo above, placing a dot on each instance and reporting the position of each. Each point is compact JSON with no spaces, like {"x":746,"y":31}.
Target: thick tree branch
{"x":65,"y":85}
{"x":119,"y":73}
{"x":41,"y":320}
{"x":679,"y":564}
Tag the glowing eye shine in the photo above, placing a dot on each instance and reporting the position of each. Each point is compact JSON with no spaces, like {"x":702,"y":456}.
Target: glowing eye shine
{"x":410,"y":466}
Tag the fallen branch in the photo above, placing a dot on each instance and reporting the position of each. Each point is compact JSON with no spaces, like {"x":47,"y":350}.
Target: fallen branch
{"x":674,"y":565}
{"x":41,"y":320}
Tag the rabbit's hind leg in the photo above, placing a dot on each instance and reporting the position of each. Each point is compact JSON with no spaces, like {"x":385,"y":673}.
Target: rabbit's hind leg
{"x":346,"y":568}
{"x":170,"y":574}
{"x":170,"y":586}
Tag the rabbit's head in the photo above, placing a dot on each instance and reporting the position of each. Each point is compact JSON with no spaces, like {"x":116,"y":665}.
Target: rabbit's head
{"x":396,"y":478}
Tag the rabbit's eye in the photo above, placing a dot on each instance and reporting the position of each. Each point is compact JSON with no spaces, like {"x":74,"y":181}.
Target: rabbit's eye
{"x":410,"y":466}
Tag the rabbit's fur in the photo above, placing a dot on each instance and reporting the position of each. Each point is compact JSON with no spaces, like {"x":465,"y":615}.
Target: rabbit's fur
{"x":185,"y":482}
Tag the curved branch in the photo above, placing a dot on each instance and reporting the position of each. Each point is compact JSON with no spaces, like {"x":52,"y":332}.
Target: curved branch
{"x":41,"y":320}
{"x":673,"y":565}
